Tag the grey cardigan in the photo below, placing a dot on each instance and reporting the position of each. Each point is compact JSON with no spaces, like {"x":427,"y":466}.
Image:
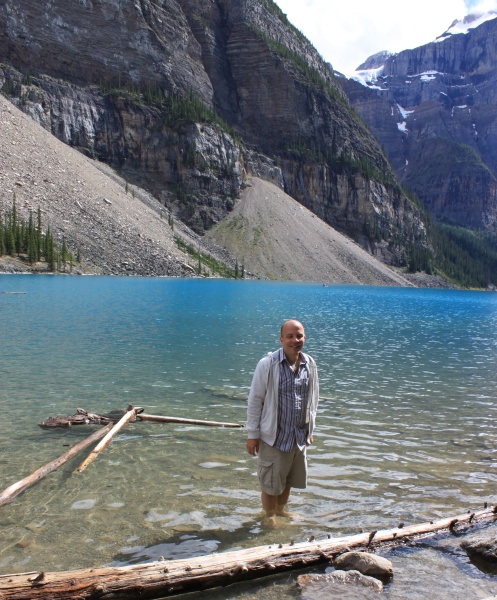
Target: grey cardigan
{"x":262,"y":410}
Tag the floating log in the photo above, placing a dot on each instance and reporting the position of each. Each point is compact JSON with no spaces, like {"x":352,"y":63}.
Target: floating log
{"x":82,"y":417}
{"x":16,"y":488}
{"x":167,"y":578}
{"x":129,"y":415}
{"x":159,"y":419}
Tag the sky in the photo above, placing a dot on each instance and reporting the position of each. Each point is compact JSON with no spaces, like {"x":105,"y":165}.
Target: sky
{"x":346,"y":32}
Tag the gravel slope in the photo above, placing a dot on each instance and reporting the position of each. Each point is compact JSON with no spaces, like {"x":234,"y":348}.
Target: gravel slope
{"x":116,"y":232}
{"x":275,"y":236}
{"x":123,"y":231}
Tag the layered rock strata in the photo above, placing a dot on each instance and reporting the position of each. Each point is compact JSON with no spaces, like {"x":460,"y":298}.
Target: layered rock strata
{"x":433,"y":109}
{"x":188,"y":97}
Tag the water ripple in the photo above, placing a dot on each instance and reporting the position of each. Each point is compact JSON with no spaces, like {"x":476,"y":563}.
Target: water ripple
{"x":406,"y":428}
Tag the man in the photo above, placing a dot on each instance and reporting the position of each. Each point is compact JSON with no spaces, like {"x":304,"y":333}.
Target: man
{"x":281,"y":414}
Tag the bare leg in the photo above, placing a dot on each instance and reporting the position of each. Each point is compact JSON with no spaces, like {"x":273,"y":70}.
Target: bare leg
{"x":274,"y":505}
{"x":269,"y":505}
{"x":281,"y":502}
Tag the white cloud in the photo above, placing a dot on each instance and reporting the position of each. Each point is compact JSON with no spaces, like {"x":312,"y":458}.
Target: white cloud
{"x":346,"y":33}
{"x":477,"y":6}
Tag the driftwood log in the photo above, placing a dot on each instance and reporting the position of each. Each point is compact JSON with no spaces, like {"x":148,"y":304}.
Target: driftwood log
{"x":83,"y":417}
{"x":129,"y":415}
{"x":16,"y":488}
{"x":168,"y":578}
{"x":159,"y":419}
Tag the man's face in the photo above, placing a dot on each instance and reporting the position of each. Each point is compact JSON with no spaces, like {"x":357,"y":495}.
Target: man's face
{"x":292,"y":337}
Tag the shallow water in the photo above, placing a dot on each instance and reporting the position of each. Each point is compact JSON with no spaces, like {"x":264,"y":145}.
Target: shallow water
{"x":406,"y":427}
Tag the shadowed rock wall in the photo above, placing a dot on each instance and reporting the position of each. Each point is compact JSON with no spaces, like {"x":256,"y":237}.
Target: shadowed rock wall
{"x":122,"y":81}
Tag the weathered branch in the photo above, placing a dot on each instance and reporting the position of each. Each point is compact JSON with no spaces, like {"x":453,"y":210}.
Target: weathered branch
{"x":16,"y":488}
{"x":168,"y":578}
{"x":84,"y":417}
{"x":128,"y":416}
{"x":159,"y":419}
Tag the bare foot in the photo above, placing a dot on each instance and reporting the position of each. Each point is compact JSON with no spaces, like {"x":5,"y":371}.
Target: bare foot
{"x":269,"y":522}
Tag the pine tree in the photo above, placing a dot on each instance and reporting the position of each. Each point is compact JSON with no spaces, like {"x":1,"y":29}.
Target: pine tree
{"x":11,"y":239}
{"x":2,"y":239}
{"x":17,"y":229}
{"x":64,"y":254}
{"x":50,"y":251}
{"x":39,"y":234}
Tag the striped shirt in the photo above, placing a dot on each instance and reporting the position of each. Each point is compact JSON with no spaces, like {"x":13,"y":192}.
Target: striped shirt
{"x":292,"y":405}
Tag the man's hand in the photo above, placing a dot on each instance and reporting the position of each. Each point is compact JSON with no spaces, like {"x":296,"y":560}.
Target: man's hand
{"x":253,"y":447}
{"x":311,"y":440}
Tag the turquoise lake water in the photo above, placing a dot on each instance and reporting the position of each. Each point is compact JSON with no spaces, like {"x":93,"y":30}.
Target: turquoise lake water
{"x":406,"y":428}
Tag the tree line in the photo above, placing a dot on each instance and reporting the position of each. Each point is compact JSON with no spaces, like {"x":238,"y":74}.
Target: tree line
{"x":207,"y":264}
{"x":465,"y":256}
{"x":25,"y":238}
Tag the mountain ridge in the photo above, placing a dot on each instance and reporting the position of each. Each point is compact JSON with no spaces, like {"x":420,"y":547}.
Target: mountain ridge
{"x":431,"y":105}
{"x":189,"y":100}
{"x":251,"y":97}
{"x":125,"y":232}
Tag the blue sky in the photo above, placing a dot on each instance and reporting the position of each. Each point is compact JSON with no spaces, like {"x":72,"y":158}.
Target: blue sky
{"x":347,"y":32}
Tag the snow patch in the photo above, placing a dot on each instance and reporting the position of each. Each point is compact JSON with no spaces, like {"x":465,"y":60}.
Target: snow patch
{"x":369,"y":77}
{"x":402,"y":127}
{"x":429,"y":75}
{"x":405,"y":113}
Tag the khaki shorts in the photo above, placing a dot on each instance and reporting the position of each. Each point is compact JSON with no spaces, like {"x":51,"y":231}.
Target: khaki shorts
{"x":277,"y":470}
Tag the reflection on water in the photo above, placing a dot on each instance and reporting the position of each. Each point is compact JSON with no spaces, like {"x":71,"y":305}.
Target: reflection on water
{"x":406,"y":427}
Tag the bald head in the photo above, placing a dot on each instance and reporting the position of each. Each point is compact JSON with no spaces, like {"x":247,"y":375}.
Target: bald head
{"x":290,"y":323}
{"x":292,"y":339}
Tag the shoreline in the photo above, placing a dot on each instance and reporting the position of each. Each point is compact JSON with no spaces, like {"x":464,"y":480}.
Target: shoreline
{"x":17,"y":266}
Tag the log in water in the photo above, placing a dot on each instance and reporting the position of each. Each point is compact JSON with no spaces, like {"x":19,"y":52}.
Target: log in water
{"x":159,"y":419}
{"x":16,"y":488}
{"x":168,"y":578}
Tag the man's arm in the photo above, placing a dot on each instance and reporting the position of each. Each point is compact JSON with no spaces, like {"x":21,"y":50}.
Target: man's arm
{"x":315,"y":394}
{"x":255,"y":403}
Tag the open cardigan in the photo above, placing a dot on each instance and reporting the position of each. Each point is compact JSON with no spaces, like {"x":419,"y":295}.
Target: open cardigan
{"x":262,"y":410}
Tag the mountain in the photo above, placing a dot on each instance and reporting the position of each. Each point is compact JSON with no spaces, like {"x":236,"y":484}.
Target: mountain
{"x":267,"y":227}
{"x":434,"y":111}
{"x":121,"y":230}
{"x":118,"y":230}
{"x":189,"y":98}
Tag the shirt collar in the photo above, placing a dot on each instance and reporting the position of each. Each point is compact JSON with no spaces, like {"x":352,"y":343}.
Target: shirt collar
{"x":282,"y":357}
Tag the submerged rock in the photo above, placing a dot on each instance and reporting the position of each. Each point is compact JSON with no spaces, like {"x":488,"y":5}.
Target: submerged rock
{"x":482,"y":551}
{"x":346,"y":585}
{"x":366,"y":563}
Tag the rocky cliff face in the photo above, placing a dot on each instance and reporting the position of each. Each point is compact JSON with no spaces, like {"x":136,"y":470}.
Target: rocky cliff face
{"x":434,"y":111}
{"x":105,"y":42}
{"x":187,"y":97}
